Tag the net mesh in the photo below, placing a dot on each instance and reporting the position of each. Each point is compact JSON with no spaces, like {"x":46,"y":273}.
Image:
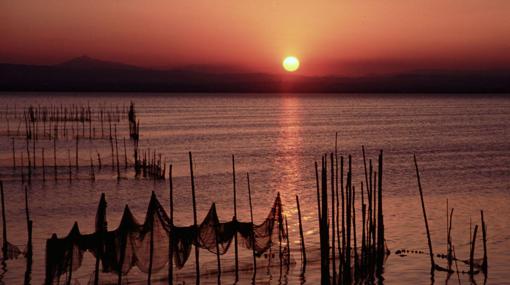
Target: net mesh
{"x":131,"y":243}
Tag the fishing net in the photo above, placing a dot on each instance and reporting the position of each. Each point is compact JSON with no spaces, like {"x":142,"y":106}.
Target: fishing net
{"x":133,"y":243}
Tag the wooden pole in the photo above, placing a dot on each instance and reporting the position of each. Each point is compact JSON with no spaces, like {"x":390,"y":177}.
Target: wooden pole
{"x":236,"y":256}
{"x":252,"y":229}
{"x":171,"y":246}
{"x":288,"y":242}
{"x":125,"y":154}
{"x":197,"y":253}
{"x":485,"y":264}
{"x":55,"y":158}
{"x":472,"y":252}
{"x":69,"y":159}
{"x":432,"y":263}
{"x":43,"y":167}
{"x":13,"y":155}
{"x":77,"y":142}
{"x":324,"y":227}
{"x":333,"y":255}
{"x":4,"y":222}
{"x":151,"y":247}
{"x":218,"y":259}
{"x":29,"y":226}
{"x":301,"y":235}
{"x":380,"y":217}
{"x":117,"y":151}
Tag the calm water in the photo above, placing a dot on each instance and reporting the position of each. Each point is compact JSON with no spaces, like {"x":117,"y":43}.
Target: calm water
{"x":462,"y":144}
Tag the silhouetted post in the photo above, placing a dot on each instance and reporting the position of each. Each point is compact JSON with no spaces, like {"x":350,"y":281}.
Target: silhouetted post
{"x":380,"y":218}
{"x":29,"y":227}
{"x":43,"y":167}
{"x":252,"y":227}
{"x":151,"y":244}
{"x":92,"y":174}
{"x":197,"y":254}
{"x":353,"y":207}
{"x":171,"y":246}
{"x":125,"y":154}
{"x":318,"y":194}
{"x":13,"y":155}
{"x":342,"y":197}
{"x":22,"y":174}
{"x":77,"y":142}
{"x":324,"y":225}
{"x":236,"y":256}
{"x":55,"y":158}
{"x":4,"y":223}
{"x":218,"y":260}
{"x":99,"y":161}
{"x":485,"y":264}
{"x":69,"y":160}
{"x":333,"y":261}
{"x":288,"y":242}
{"x":472,"y":252}
{"x":303,"y":249}
{"x":117,"y":151}
{"x":432,"y":263}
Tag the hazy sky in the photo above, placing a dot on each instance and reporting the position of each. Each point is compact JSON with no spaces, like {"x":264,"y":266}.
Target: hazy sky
{"x":329,"y":36}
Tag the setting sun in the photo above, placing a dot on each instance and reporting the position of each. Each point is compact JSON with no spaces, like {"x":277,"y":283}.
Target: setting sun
{"x":291,"y":63}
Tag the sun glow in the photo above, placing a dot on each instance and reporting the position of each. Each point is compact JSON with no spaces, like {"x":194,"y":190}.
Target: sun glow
{"x":290,"y":63}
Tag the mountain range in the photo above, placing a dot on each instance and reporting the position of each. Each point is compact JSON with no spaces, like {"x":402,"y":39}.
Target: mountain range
{"x":89,"y":74}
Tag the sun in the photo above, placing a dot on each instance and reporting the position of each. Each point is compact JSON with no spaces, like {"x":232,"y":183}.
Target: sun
{"x":291,"y":63}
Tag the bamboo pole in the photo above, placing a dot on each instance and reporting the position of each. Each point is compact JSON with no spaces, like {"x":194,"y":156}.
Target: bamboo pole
{"x":301,"y":235}
{"x":333,"y":260}
{"x":318,"y":194}
{"x":484,"y":236}
{"x":472,"y":252}
{"x":151,"y":245}
{"x":77,"y":142}
{"x":43,"y":167}
{"x":171,"y":246}
{"x":432,"y":263}
{"x":324,"y":227}
{"x":69,"y":159}
{"x":197,"y":253}
{"x":380,"y":218}
{"x":13,"y":155}
{"x":117,"y":151}
{"x":55,"y":158}
{"x":125,"y":154}
{"x":236,"y":255}
{"x":252,"y":229}
{"x":218,"y":259}
{"x":4,"y":223}
{"x":288,"y":242}
{"x":29,"y":227}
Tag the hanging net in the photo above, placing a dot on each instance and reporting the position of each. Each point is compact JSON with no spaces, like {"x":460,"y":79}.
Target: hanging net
{"x":133,"y":243}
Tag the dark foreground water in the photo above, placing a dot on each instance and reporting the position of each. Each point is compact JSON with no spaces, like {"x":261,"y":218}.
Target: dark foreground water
{"x":462,"y":144}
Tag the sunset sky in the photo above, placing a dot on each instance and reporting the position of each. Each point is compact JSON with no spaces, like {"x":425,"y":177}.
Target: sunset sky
{"x":329,"y":37}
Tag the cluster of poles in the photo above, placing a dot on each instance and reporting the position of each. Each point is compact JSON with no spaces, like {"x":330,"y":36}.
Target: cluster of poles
{"x":64,"y":122}
{"x":339,"y":235}
{"x":10,"y":251}
{"x":450,"y":255}
{"x":32,"y":158}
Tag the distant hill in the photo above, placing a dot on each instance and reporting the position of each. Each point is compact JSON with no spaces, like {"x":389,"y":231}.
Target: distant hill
{"x":88,"y":74}
{"x":87,"y":63}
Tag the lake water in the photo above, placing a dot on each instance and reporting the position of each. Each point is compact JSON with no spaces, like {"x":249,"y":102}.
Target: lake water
{"x":462,"y":144}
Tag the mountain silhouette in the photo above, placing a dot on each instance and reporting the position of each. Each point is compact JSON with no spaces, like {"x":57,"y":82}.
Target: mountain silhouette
{"x":93,"y":75}
{"x":84,"y":62}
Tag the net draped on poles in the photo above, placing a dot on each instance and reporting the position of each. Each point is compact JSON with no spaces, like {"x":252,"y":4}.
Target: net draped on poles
{"x":130,"y":243}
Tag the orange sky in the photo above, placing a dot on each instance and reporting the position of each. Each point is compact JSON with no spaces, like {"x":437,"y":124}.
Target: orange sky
{"x":329,"y":36}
